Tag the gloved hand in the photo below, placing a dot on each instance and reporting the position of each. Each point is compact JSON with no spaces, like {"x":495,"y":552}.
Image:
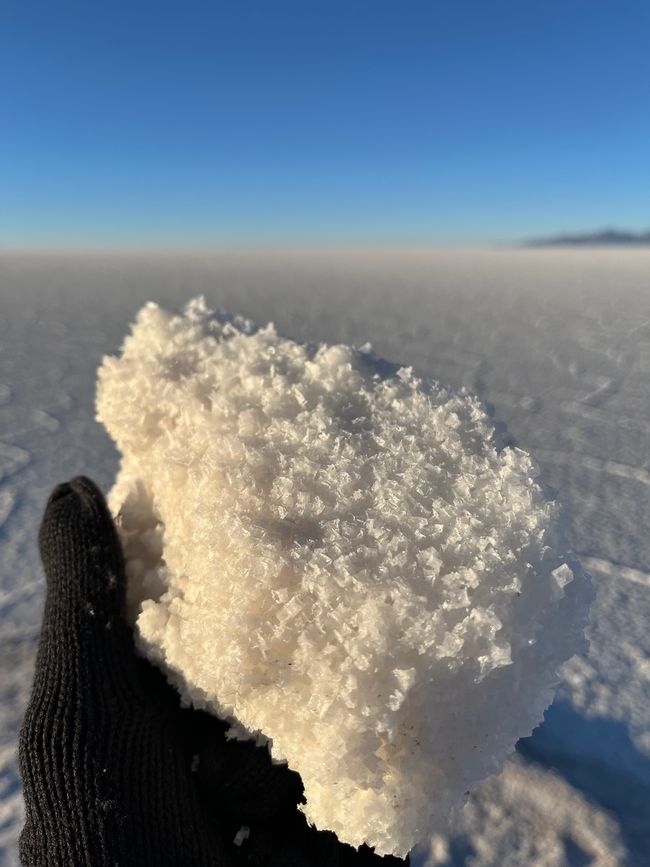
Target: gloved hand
{"x":114,"y":771}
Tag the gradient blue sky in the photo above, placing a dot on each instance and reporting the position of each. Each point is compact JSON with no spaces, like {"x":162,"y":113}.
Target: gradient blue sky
{"x":304,"y":122}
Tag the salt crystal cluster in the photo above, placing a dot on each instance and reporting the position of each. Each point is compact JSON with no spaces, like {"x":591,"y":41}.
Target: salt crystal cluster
{"x":341,"y":559}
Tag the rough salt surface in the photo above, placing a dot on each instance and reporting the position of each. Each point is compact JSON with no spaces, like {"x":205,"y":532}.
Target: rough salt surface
{"x":342,"y":559}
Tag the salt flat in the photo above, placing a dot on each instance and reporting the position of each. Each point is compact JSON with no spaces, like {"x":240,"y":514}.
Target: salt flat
{"x":558,"y":342}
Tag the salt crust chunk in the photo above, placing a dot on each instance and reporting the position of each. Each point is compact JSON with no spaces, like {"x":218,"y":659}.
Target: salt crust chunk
{"x":340,"y":558}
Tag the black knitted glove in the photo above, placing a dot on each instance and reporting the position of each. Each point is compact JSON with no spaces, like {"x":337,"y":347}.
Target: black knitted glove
{"x":114,"y":771}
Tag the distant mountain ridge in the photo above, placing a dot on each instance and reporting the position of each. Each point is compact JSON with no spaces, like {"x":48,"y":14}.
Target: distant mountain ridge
{"x":604,"y":237}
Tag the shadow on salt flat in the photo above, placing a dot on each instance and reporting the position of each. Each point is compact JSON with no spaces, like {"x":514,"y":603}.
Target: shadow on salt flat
{"x":597,"y":757}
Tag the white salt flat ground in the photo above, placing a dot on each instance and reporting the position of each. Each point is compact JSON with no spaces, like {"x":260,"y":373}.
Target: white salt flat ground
{"x":557,"y":341}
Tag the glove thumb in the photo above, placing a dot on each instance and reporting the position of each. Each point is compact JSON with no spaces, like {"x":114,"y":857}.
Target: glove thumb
{"x":81,"y":552}
{"x":84,"y":569}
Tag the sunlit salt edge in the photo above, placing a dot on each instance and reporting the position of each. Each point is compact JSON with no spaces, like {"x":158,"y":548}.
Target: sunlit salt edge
{"x":465,"y":724}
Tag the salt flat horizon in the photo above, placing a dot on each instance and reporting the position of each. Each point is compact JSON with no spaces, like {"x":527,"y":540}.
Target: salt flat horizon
{"x":375,"y":248}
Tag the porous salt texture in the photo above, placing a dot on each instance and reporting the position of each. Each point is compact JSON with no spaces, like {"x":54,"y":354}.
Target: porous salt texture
{"x":339,"y":557}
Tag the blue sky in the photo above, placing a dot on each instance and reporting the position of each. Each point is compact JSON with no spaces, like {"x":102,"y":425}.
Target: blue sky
{"x":340,"y":122}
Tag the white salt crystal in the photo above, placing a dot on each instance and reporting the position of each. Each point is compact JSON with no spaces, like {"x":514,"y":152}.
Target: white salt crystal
{"x":241,"y":835}
{"x":337,"y":557}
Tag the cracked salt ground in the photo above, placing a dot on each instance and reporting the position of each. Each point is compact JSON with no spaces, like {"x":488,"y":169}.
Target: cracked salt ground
{"x":547,"y":326}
